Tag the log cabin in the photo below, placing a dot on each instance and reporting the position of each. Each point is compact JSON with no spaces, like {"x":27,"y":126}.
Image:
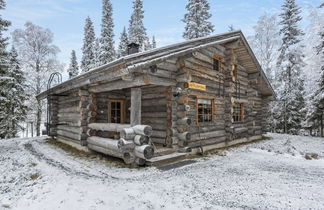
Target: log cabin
{"x":146,"y":107}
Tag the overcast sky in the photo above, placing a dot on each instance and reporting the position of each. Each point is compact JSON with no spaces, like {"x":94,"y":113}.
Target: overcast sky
{"x":65,"y":18}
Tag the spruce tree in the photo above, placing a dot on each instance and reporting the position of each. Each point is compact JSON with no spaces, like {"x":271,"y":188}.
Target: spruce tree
{"x":290,"y":63}
{"x":5,"y":80}
{"x":73,"y":69}
{"x":317,"y":114}
{"x":17,"y":112}
{"x":123,"y":43}
{"x":96,"y":51}
{"x":136,"y":29}
{"x":88,"y":59}
{"x":107,"y":50}
{"x":147,"y":44}
{"x":153,"y":42}
{"x":196,"y":21}
{"x":4,"y":24}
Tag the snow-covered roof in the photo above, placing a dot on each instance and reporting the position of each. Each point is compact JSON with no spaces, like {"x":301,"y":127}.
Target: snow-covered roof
{"x":143,"y":59}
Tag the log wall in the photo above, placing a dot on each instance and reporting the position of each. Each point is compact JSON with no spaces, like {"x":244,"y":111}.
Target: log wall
{"x":170,"y":107}
{"x":154,"y":111}
{"x":72,"y":117}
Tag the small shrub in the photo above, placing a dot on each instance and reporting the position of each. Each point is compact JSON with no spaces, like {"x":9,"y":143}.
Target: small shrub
{"x":34,"y":176}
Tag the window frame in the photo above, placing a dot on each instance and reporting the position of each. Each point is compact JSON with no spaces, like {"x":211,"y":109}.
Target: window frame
{"x":213,"y":109}
{"x":122,"y":109}
{"x":219,"y":60}
{"x":240,"y":115}
{"x":234,"y":71}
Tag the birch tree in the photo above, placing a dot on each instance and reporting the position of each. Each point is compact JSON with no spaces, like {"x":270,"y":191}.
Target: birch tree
{"x":38,"y":60}
{"x":265,"y":43}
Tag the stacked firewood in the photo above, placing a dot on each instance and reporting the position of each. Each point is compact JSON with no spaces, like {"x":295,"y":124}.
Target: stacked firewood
{"x":135,"y":142}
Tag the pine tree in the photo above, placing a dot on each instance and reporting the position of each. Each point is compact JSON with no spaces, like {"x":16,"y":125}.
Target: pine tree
{"x":136,"y":29}
{"x":123,"y":43}
{"x":96,"y":51}
{"x":153,"y":42}
{"x":73,"y":69}
{"x":88,"y":59}
{"x":107,"y":50}
{"x":196,"y":21}
{"x":290,"y":64}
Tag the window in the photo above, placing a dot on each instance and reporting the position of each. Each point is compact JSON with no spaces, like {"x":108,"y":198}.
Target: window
{"x":205,"y":110}
{"x":116,"y":111}
{"x":238,"y":112}
{"x":217,"y":63}
{"x":234,"y":70}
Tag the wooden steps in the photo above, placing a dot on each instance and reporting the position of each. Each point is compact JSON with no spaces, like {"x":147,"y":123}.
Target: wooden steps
{"x":166,"y":159}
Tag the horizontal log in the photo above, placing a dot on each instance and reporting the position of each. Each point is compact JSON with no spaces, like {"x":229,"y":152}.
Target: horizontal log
{"x":108,"y":126}
{"x":109,"y":146}
{"x":143,"y":130}
{"x":158,"y":140}
{"x":184,"y":121}
{"x":153,"y":114}
{"x":158,"y":134}
{"x":207,"y":142}
{"x":77,"y":137}
{"x":183,"y":107}
{"x":106,"y":151}
{"x":127,"y":133}
{"x":208,"y":135}
{"x":186,"y":136}
{"x":72,"y":129}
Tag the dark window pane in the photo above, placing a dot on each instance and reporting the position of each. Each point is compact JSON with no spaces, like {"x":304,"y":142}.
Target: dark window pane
{"x":216,"y":64}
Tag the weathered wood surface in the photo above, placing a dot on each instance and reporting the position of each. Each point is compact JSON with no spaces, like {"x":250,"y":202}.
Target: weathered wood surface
{"x":136,"y":104}
{"x":108,"y":126}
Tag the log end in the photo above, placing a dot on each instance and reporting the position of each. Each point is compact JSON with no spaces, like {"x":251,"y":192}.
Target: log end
{"x":148,"y":131}
{"x":148,"y":152}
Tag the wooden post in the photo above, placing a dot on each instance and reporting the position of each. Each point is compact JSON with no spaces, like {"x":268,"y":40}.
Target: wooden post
{"x":136,"y":104}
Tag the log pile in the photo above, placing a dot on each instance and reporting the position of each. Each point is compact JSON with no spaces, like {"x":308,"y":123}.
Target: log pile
{"x":134,"y":145}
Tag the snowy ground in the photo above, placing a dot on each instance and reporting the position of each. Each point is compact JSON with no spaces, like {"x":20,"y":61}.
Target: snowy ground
{"x":272,"y":174}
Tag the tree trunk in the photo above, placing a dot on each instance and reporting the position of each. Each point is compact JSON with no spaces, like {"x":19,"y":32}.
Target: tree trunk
{"x":38,"y":117}
{"x":39,"y":104}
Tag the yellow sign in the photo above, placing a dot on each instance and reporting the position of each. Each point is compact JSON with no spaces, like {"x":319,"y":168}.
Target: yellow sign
{"x":194,"y":85}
